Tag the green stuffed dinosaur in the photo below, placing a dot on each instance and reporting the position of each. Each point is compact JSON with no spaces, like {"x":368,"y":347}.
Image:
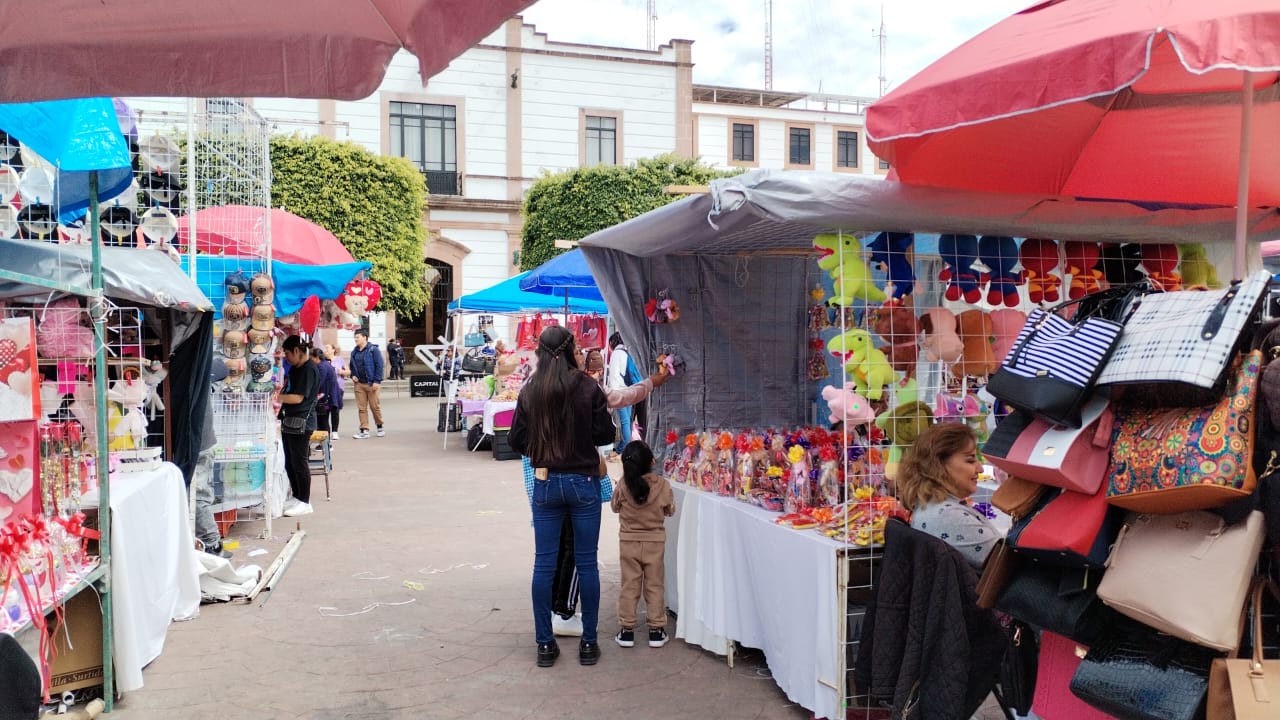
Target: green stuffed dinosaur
{"x":866,"y":366}
{"x":902,"y":425}
{"x":841,"y":257}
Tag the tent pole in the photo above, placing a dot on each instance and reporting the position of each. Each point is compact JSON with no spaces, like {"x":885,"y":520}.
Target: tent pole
{"x":98,"y":311}
{"x":1242,"y":180}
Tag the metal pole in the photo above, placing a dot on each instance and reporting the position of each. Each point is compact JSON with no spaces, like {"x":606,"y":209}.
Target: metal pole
{"x":1242,"y":179}
{"x":191,"y":189}
{"x":98,"y":311}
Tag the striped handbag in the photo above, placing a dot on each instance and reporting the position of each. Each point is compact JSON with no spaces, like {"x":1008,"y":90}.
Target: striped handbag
{"x":1051,"y":368}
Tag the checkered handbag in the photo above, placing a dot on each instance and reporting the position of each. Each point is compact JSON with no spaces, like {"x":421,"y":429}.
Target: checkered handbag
{"x":1186,"y":336}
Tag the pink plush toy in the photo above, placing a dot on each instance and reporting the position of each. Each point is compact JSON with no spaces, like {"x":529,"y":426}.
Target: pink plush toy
{"x":847,"y":405}
{"x":941,"y":342}
{"x":1005,"y":326}
{"x":60,"y":334}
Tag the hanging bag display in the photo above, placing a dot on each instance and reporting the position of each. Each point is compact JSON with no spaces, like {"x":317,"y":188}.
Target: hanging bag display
{"x":475,"y":363}
{"x":1186,"y":336}
{"x":1134,"y":672}
{"x":1059,"y":658}
{"x":1070,"y":529}
{"x":1186,"y":575}
{"x":1054,"y":362}
{"x":1170,"y":460}
{"x":1064,"y":600}
{"x":1017,"y":497}
{"x":1072,"y":458}
{"x":1247,"y":688}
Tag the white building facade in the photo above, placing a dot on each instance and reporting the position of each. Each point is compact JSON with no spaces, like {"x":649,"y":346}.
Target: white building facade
{"x":519,"y":105}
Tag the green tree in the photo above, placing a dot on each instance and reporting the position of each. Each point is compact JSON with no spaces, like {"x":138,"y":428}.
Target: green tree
{"x":373,"y":203}
{"x":573,"y":204}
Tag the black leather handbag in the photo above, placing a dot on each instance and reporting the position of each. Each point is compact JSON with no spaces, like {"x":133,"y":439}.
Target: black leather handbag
{"x":1062,"y":600}
{"x":1137,"y":673}
{"x":1018,"y":669}
{"x":478,"y":364}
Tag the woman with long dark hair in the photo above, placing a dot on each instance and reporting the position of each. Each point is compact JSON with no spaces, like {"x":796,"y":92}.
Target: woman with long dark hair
{"x":560,"y":418}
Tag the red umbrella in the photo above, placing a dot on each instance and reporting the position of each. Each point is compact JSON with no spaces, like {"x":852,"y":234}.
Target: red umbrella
{"x":335,"y":49}
{"x":1138,"y":100}
{"x":240,"y":230}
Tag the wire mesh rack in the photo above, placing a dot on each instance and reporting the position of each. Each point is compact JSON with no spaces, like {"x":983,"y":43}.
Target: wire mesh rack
{"x":243,"y":425}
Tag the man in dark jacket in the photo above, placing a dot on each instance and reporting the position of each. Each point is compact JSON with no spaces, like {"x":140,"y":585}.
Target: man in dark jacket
{"x":365,"y":364}
{"x":926,"y":646}
{"x":395,"y":358}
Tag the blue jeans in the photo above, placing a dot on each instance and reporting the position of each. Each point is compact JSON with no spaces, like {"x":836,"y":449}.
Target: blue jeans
{"x":624,"y":425}
{"x":578,"y":497}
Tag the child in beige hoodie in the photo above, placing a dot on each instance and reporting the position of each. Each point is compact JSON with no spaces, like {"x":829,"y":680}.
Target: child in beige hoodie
{"x":642,"y":500}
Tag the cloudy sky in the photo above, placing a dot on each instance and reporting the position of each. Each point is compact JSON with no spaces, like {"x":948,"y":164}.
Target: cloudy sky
{"x":826,"y":45}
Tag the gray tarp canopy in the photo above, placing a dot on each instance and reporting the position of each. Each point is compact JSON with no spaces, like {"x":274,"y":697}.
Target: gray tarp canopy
{"x":738,"y":261}
{"x":130,"y":277}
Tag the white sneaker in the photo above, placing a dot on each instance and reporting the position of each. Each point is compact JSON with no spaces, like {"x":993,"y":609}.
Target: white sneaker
{"x":382,"y":433}
{"x":362,"y":435}
{"x":333,"y":436}
{"x":299,"y":508}
{"x":566,"y":628}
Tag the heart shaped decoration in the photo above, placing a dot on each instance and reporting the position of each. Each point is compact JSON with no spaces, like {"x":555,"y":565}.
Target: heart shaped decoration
{"x":8,"y":351}
{"x":15,"y":485}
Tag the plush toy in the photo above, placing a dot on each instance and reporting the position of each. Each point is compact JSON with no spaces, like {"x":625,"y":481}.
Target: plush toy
{"x":1000,"y":254}
{"x":941,"y":343}
{"x":1120,"y":263}
{"x":1005,"y":326}
{"x":847,"y":406}
{"x":1039,"y":257}
{"x":978,"y":359}
{"x":902,"y":425}
{"x":891,"y":251}
{"x":841,"y":257}
{"x":154,"y":374}
{"x":898,"y":327}
{"x":959,"y":253}
{"x":1160,"y":260}
{"x":59,"y":333}
{"x":1082,"y":266}
{"x":868,"y":367}
{"x":1197,"y":271}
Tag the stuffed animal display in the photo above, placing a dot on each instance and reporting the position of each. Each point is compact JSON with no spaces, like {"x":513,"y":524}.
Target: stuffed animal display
{"x":847,"y":406}
{"x":1120,"y":263}
{"x":1197,"y":271}
{"x":898,"y":328}
{"x":959,"y":252}
{"x":979,"y":358}
{"x":1000,"y":254}
{"x":902,"y":425}
{"x":1039,"y":258}
{"x":941,"y":342}
{"x":841,"y":256}
{"x":1161,"y":263}
{"x":868,"y":367}
{"x":891,"y":251}
{"x":1082,"y":265}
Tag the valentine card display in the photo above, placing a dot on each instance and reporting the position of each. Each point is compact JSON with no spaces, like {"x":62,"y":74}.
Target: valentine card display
{"x":19,"y":492}
{"x":19,"y":398}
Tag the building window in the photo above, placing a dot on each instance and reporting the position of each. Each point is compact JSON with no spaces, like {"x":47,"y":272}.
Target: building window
{"x":846,"y":149}
{"x":883,"y":164}
{"x":427,"y":135}
{"x":224,"y":114}
{"x":602,"y":140}
{"x":800,"y":153}
{"x":744,"y":142}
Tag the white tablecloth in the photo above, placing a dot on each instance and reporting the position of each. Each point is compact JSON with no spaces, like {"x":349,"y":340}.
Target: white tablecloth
{"x":491,"y":408}
{"x":733,"y":574}
{"x":154,"y":574}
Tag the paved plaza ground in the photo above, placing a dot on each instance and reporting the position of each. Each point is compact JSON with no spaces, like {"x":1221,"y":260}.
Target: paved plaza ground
{"x":347,"y":635}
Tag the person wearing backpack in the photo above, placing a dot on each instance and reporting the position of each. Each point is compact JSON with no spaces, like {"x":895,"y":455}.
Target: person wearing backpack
{"x":622,"y":373}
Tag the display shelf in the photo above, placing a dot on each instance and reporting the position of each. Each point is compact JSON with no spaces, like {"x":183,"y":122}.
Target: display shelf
{"x":86,"y":576}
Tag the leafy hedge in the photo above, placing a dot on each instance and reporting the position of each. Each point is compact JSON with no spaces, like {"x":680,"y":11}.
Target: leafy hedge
{"x":573,"y":204}
{"x":373,"y":203}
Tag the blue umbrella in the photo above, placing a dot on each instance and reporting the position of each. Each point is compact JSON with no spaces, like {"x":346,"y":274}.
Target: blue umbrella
{"x":78,"y":137}
{"x":566,"y":275}
{"x":507,"y":296}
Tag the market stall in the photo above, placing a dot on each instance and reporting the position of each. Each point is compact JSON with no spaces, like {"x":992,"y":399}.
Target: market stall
{"x":741,"y":261}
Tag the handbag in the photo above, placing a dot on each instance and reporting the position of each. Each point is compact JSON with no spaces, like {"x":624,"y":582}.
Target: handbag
{"x":1069,"y":529}
{"x":473,"y":339}
{"x":1137,"y":673}
{"x":1054,"y":362}
{"x":1246,"y":688}
{"x":293,"y":424}
{"x":1059,"y":658}
{"x":1072,"y":458}
{"x":478,"y":364}
{"x":1170,"y":460}
{"x":1186,"y":575}
{"x":1017,"y":497}
{"x":1001,"y":564}
{"x":1064,"y":600}
{"x":1186,"y":336}
{"x":1018,"y":669}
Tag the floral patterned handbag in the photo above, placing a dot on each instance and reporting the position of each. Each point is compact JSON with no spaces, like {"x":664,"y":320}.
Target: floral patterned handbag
{"x":1171,"y":460}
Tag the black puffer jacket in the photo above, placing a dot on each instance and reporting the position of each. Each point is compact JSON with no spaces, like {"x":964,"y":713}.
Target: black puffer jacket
{"x":927,"y":648}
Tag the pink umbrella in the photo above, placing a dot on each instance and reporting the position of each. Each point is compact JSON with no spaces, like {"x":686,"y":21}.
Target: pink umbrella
{"x":1145,"y":100}
{"x":239,"y":230}
{"x":335,"y":49}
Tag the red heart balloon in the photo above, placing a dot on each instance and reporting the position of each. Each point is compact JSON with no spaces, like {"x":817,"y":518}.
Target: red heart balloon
{"x":309,"y":315}
{"x":373,"y":291}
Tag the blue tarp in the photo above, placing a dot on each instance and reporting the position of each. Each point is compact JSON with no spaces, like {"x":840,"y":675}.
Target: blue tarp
{"x":566,"y":272}
{"x":77,"y":136}
{"x":294,"y":283}
{"x":507,"y":297}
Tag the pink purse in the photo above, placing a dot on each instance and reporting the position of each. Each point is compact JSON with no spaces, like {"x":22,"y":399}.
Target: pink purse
{"x":1072,"y":458}
{"x":1054,"y":699}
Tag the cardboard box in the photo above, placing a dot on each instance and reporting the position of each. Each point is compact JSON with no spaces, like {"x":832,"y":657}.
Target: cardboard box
{"x":81,"y":666}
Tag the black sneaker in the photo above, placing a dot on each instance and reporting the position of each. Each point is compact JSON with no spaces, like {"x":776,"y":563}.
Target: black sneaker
{"x":657,"y":637}
{"x":547,"y":654}
{"x":588,"y":653}
{"x":217,"y":550}
{"x":625,"y":638}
